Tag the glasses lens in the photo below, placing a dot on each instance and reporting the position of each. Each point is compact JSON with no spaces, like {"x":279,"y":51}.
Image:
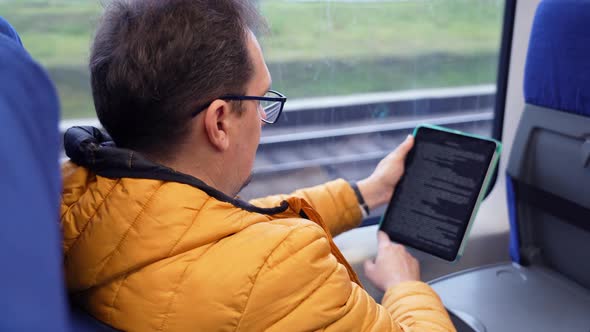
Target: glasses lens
{"x":272,"y":109}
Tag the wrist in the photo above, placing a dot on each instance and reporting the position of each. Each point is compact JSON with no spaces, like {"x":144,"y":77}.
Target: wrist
{"x":365,"y":210}
{"x":373,"y":195}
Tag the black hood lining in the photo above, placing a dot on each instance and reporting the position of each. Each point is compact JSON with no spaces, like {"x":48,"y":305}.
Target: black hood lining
{"x":94,"y":149}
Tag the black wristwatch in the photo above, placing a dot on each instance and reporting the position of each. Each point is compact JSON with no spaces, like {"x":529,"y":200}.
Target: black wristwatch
{"x":364,"y":207}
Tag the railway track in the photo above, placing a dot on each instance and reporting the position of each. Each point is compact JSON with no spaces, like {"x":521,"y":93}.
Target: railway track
{"x":288,"y":160}
{"x":321,"y":139}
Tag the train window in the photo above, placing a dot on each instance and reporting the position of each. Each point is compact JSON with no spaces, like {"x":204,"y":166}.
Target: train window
{"x":359,"y":75}
{"x":57,"y":33}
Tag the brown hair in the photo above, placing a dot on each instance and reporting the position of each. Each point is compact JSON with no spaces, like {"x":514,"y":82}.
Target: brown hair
{"x":153,"y":61}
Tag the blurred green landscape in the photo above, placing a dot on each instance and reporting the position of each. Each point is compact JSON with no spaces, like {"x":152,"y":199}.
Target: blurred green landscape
{"x":313,"y":48}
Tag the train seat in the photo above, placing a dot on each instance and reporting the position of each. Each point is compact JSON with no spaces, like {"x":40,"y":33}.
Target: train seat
{"x":546,"y":287}
{"x":33,"y":293}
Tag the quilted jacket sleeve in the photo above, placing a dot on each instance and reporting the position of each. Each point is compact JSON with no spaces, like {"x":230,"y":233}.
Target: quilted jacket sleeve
{"x":335,"y":201}
{"x":302,"y":287}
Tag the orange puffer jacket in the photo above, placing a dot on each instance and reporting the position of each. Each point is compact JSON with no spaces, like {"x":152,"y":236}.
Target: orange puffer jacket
{"x":164,"y":252}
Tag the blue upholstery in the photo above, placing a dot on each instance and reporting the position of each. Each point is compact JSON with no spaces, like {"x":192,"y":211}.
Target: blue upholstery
{"x":33,"y":296}
{"x":33,"y":293}
{"x":8,"y":31}
{"x":513,"y":219}
{"x":557,"y":73}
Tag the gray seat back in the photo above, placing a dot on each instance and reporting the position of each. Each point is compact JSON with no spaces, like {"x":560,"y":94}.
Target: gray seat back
{"x":549,"y":166}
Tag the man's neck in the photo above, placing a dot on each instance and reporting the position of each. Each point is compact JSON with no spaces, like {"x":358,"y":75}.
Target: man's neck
{"x":211,"y":174}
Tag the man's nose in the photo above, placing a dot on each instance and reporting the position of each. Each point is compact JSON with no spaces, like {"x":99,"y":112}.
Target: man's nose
{"x":263,"y":115}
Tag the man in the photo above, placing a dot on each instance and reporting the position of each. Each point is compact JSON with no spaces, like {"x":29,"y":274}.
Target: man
{"x":154,"y":239}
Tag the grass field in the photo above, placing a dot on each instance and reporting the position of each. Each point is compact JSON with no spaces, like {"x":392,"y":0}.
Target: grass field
{"x":313,"y":48}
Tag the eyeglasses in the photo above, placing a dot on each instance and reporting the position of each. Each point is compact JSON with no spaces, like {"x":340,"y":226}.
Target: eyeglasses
{"x":271,"y":105}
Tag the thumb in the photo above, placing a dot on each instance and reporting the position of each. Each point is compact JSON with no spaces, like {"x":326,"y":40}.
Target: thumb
{"x":369,"y":266}
{"x":406,"y":146}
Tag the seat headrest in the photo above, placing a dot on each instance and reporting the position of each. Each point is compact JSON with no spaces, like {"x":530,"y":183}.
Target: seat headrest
{"x":33,"y":295}
{"x":7,"y":30}
{"x":557,"y":72}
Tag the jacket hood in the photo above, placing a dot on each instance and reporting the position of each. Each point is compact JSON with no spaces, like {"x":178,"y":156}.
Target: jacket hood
{"x":94,"y":149}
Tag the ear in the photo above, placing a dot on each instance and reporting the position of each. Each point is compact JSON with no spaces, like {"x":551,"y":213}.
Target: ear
{"x":217,"y":119}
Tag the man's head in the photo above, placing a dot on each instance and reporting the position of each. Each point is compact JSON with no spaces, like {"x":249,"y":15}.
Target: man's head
{"x":154,"y":62}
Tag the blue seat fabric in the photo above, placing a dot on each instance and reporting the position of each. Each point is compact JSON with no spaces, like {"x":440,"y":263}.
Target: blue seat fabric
{"x":33,"y":296}
{"x":557,"y":65}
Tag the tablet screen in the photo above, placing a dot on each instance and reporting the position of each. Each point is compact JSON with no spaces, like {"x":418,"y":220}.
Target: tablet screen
{"x":434,"y":201}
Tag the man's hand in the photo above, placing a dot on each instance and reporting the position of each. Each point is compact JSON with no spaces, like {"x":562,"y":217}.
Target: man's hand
{"x":393,"y":264}
{"x":378,"y":188}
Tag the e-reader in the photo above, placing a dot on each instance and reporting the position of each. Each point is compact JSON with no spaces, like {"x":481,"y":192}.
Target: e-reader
{"x":446,"y":176}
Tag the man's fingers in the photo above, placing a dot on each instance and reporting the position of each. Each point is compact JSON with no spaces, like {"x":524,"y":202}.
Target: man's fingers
{"x":383,"y":240}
